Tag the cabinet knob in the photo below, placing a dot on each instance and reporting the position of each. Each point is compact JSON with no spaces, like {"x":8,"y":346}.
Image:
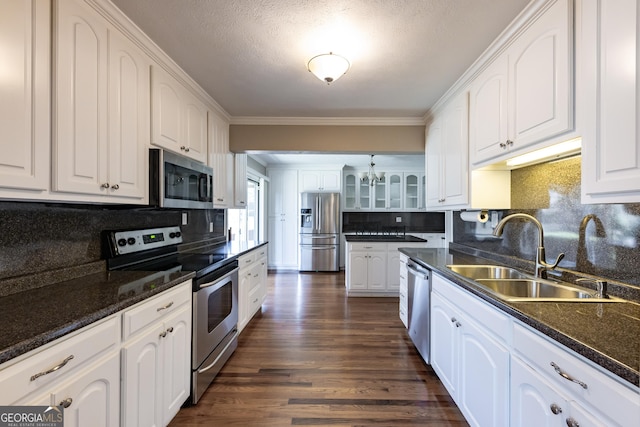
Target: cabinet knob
{"x":555,"y":409}
{"x":503,"y":145}
{"x":115,"y":187}
{"x":185,"y":148}
{"x":170,"y":329}
{"x":509,"y":142}
{"x":66,"y":402}
{"x":105,"y":185}
{"x":453,"y":319}
{"x":458,"y":324}
{"x":163,"y":334}
{"x":572,"y":423}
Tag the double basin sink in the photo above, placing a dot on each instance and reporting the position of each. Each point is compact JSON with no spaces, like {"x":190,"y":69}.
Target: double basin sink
{"x":513,"y":285}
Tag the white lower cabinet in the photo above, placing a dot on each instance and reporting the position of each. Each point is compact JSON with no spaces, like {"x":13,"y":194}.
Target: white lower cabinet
{"x":501,"y":372}
{"x":252,"y":286}
{"x":472,"y":363}
{"x":156,"y":359}
{"x":403,"y":291}
{"x":366,"y":267}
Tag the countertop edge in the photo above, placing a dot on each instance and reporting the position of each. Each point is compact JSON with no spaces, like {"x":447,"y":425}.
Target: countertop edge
{"x":617,"y":368}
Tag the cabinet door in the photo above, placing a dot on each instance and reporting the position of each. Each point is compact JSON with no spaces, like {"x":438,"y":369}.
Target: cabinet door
{"x":330,"y":180}
{"x":377,"y":270}
{"x":393,"y":268}
{"x":365,"y":193}
{"x":444,"y":343}
{"x":25,"y":105}
{"x":93,"y":396}
{"x":488,"y":112}
{"x":129,"y":122}
{"x":177,"y":362}
{"x":80,"y":139}
{"x":142,"y":373}
{"x":412,"y":186}
{"x":195,"y":127}
{"x":310,"y":181}
{"x":484,"y":377}
{"x":455,"y":174}
{"x":166,"y":111}
{"x":610,"y":95}
{"x":219,"y":160}
{"x":533,"y":401}
{"x":350,"y":195}
{"x":244,"y":287}
{"x":394,"y":191}
{"x":379,"y":192}
{"x":358,"y":271}
{"x":433,"y":164}
{"x":541,"y":77}
{"x":240,"y":180}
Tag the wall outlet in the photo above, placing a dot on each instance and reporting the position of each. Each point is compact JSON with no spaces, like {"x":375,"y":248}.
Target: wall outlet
{"x":211,"y":227}
{"x":398,"y":219}
{"x":184,"y":218}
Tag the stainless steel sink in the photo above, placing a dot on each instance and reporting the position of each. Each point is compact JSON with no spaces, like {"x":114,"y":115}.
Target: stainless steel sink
{"x":513,"y":285}
{"x":487,"y":272}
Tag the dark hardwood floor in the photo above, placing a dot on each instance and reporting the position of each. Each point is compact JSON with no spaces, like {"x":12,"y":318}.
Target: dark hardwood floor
{"x":315,"y":357}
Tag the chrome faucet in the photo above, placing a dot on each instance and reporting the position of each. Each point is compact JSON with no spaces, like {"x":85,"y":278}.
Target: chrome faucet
{"x":582,"y":259}
{"x":541,"y":263}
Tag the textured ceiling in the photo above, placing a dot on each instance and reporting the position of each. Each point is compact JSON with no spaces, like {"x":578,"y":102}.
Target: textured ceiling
{"x":251,"y":55}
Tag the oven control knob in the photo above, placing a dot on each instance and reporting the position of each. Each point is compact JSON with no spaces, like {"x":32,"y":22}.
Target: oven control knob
{"x":122,"y":242}
{"x":172,"y":235}
{"x":131,"y":240}
{"x":178,"y":234}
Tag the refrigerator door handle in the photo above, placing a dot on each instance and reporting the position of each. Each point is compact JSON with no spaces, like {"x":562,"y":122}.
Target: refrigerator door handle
{"x":318,"y":213}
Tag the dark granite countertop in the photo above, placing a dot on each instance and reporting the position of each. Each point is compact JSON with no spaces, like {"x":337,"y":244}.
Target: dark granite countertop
{"x":382,"y":238}
{"x":605,"y":333}
{"x":34,"y":317}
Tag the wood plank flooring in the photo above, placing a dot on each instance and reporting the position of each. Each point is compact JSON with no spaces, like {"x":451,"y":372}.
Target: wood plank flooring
{"x":314,"y":357}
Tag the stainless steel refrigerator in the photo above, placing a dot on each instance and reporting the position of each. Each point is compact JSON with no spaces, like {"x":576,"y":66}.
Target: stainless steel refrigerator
{"x":319,"y":238}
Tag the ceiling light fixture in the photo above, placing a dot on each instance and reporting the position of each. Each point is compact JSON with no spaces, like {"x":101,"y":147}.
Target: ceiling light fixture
{"x":328,"y":67}
{"x":372,"y":177}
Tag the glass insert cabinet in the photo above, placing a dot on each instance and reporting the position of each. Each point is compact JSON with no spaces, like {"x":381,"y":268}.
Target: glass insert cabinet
{"x":396,"y":191}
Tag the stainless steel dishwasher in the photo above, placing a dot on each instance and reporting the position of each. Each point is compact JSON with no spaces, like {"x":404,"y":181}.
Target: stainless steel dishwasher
{"x":419,"y":301}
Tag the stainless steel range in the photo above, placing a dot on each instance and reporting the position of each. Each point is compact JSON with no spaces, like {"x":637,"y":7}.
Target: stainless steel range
{"x":215,"y":292}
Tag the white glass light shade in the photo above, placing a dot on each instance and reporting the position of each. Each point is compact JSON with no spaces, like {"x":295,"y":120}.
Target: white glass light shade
{"x":328,"y":67}
{"x":380,"y":175}
{"x":363,"y":176}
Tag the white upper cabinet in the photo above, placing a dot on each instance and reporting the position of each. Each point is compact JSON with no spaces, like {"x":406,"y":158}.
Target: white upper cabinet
{"x":24,"y":97}
{"x":446,"y":157}
{"x":609,"y":93}
{"x":178,"y":118}
{"x":101,"y":120}
{"x":526,"y":95}
{"x":240,"y":180}
{"x":320,"y":180}
{"x":220,"y":161}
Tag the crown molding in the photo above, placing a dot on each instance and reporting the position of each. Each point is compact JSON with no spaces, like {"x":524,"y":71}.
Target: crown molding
{"x":329,"y":121}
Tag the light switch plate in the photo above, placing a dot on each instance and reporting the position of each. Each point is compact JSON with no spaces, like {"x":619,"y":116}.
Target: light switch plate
{"x":398,"y":219}
{"x":184,"y":218}
{"x":211,"y":227}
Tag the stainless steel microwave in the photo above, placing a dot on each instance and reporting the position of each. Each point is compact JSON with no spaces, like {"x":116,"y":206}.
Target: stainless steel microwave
{"x":176,"y":181}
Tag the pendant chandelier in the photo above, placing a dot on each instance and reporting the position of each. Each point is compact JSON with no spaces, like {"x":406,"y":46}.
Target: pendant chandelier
{"x":371,"y":176}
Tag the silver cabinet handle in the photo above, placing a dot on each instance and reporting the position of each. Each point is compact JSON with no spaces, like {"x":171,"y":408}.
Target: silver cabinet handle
{"x":220,"y":199}
{"x":115,"y":187}
{"x":458,"y":324}
{"x":163,"y":334}
{"x":105,"y":185}
{"x":55,"y":368}
{"x":572,"y":423}
{"x":170,"y":329}
{"x":164,"y":307}
{"x":66,"y":403}
{"x":555,"y":409}
{"x":567,"y":376}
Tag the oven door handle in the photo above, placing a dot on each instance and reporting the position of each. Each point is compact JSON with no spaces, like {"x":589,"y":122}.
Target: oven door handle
{"x":216,"y":282}
{"x":222,"y":353}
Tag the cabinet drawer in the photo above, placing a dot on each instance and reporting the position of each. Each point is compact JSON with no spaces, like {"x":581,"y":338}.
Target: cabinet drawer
{"x":153,"y":309}
{"x":247,"y":259}
{"x":494,"y":321}
{"x":261,"y":252}
{"x":602,"y":393}
{"x":368,"y":246}
{"x":67,"y":354}
{"x":255,"y":300}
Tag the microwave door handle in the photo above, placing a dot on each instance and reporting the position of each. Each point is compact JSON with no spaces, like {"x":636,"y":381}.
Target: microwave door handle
{"x":202,"y":191}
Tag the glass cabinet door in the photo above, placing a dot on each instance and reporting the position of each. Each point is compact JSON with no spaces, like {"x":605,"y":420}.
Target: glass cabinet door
{"x":411,"y":191}
{"x":350,"y":196}
{"x":380,"y":191}
{"x":395,"y":191}
{"x":365,"y":202}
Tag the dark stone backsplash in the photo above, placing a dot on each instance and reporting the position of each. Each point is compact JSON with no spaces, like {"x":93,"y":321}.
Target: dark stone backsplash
{"x":43,"y":237}
{"x":601,"y":240}
{"x":416,"y":222}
